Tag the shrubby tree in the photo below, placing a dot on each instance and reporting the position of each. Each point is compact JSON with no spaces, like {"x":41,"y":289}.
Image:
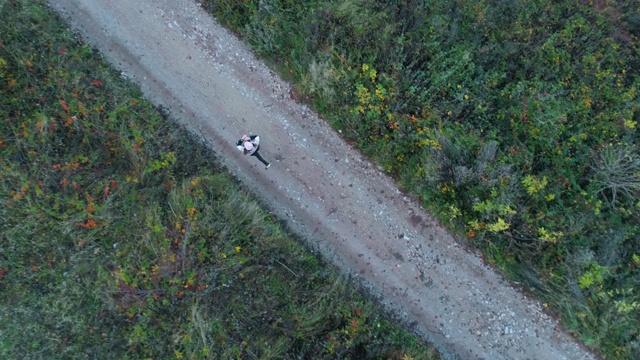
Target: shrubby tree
{"x":616,"y":173}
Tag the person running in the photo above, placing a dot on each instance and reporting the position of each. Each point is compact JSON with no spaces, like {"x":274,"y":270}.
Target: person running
{"x":250,"y":145}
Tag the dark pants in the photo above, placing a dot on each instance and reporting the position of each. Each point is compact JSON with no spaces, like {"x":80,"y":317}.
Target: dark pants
{"x":255,"y":153}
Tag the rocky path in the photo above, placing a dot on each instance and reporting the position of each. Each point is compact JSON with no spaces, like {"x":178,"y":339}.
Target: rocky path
{"x":332,"y":197}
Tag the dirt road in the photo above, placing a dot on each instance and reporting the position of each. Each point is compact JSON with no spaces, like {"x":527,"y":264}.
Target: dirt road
{"x":337,"y":201}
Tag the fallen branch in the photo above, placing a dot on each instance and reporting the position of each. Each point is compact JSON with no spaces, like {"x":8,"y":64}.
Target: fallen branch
{"x":286,"y":267}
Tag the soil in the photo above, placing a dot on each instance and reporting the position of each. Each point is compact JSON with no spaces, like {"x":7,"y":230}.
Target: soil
{"x":339,"y":203}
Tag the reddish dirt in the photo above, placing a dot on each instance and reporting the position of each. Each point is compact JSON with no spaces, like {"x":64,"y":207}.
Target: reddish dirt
{"x":328,"y":194}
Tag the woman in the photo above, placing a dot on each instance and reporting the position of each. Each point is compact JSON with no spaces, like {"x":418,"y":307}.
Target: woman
{"x":250,"y":145}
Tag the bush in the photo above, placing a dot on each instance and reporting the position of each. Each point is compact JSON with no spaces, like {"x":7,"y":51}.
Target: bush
{"x":617,"y":172}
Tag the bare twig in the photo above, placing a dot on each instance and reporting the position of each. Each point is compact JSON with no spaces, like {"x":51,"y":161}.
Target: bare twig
{"x":286,"y":267}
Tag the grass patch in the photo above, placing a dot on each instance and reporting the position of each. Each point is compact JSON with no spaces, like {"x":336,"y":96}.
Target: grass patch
{"x":515,"y":121}
{"x":120,"y":238}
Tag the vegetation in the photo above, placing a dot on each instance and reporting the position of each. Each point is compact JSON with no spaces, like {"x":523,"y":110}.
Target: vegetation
{"x":120,"y":238}
{"x":516,"y":122}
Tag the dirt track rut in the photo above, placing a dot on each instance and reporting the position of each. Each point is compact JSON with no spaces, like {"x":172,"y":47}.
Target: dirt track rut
{"x":332,"y":197}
